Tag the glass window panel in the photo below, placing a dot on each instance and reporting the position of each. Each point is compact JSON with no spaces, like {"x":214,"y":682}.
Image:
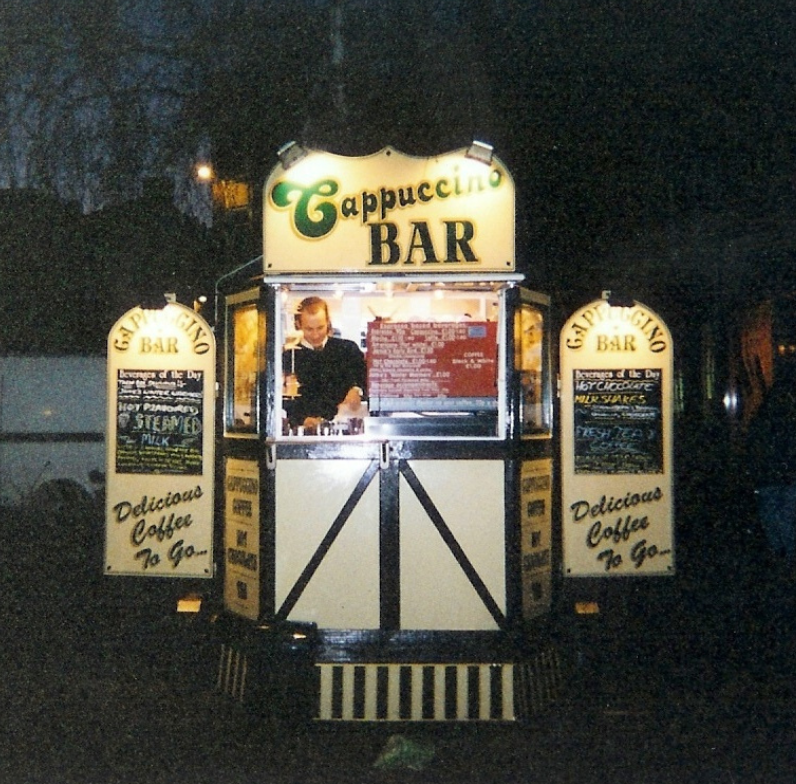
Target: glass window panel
{"x":246,"y":341}
{"x":529,"y":362}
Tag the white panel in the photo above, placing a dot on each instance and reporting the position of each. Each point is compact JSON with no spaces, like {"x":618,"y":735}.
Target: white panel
{"x":484,"y":691}
{"x":371,"y":690}
{"x":439,"y":693}
{"x":348,"y":693}
{"x":393,"y":692}
{"x":462,"y":684}
{"x":435,"y":592}
{"x":508,"y":692}
{"x":417,"y":692}
{"x":325,"y":708}
{"x":343,"y":593}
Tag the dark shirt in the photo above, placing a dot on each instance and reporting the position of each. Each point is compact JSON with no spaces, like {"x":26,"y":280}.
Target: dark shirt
{"x":325,"y":377}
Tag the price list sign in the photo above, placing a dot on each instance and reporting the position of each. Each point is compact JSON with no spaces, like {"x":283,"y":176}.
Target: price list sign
{"x":618,"y":424}
{"x":432,"y":360}
{"x":159,"y":421}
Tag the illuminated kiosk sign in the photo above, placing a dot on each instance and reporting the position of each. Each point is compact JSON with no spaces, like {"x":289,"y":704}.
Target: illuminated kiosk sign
{"x":616,"y":442}
{"x":159,"y":504}
{"x":389,"y":213}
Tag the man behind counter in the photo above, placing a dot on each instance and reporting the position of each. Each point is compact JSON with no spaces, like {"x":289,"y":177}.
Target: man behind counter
{"x":330,"y":370}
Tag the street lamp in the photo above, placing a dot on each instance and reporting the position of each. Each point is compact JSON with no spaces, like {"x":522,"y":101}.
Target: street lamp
{"x":204,"y":172}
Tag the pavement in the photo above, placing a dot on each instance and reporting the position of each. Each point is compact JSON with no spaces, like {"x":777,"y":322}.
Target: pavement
{"x":693,"y":680}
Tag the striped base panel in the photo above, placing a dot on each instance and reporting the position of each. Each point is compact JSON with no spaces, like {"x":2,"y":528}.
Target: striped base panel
{"x":439,"y":692}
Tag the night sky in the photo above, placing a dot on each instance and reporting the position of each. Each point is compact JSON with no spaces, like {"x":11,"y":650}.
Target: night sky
{"x":652,"y":143}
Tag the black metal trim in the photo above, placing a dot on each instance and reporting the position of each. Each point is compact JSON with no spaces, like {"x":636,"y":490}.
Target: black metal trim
{"x":450,"y":450}
{"x":389,"y":551}
{"x":267,"y":575}
{"x":322,"y":448}
{"x":354,"y":646}
{"x":453,"y":545}
{"x":269,"y":418}
{"x":513,"y":534}
{"x":323,"y":548}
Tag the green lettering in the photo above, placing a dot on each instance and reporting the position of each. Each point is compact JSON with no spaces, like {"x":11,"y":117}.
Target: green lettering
{"x":311,"y":218}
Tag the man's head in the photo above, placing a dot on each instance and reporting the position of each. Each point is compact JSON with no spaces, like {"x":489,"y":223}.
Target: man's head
{"x":313,"y":320}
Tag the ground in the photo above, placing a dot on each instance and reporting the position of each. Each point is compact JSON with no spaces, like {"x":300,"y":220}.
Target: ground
{"x":694,"y":683}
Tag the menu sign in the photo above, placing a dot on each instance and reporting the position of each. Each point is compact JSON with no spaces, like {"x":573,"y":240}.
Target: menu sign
{"x":616,"y":442}
{"x":432,"y":360}
{"x":618,"y":424}
{"x":160,"y":430}
{"x":159,"y":417}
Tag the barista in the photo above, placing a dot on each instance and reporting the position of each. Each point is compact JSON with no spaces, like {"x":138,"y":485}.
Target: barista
{"x":330,"y":371}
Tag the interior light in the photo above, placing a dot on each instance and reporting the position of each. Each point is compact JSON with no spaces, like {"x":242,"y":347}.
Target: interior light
{"x":290,"y":154}
{"x":480,"y":151}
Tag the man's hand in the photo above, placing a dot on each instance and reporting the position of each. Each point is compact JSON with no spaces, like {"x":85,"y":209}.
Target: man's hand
{"x":353,"y":399}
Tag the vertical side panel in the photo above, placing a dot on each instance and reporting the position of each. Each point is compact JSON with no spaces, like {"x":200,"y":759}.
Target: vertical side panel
{"x":536,"y":501}
{"x":242,"y":537}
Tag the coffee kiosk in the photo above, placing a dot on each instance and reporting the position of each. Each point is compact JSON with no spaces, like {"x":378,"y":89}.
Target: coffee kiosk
{"x":395,"y":562}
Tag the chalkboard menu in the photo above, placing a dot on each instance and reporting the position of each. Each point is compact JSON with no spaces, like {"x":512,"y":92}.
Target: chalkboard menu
{"x":618,"y":423}
{"x":159,"y":421}
{"x":431,"y":360}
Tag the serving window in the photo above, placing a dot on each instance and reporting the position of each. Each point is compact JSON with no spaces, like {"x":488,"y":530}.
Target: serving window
{"x":433,"y":354}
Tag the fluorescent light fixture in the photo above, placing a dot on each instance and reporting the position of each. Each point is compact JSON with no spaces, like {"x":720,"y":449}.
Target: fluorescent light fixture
{"x":480,"y":151}
{"x":290,"y":154}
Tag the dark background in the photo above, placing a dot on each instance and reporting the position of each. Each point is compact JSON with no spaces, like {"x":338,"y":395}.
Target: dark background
{"x":652,"y":143}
